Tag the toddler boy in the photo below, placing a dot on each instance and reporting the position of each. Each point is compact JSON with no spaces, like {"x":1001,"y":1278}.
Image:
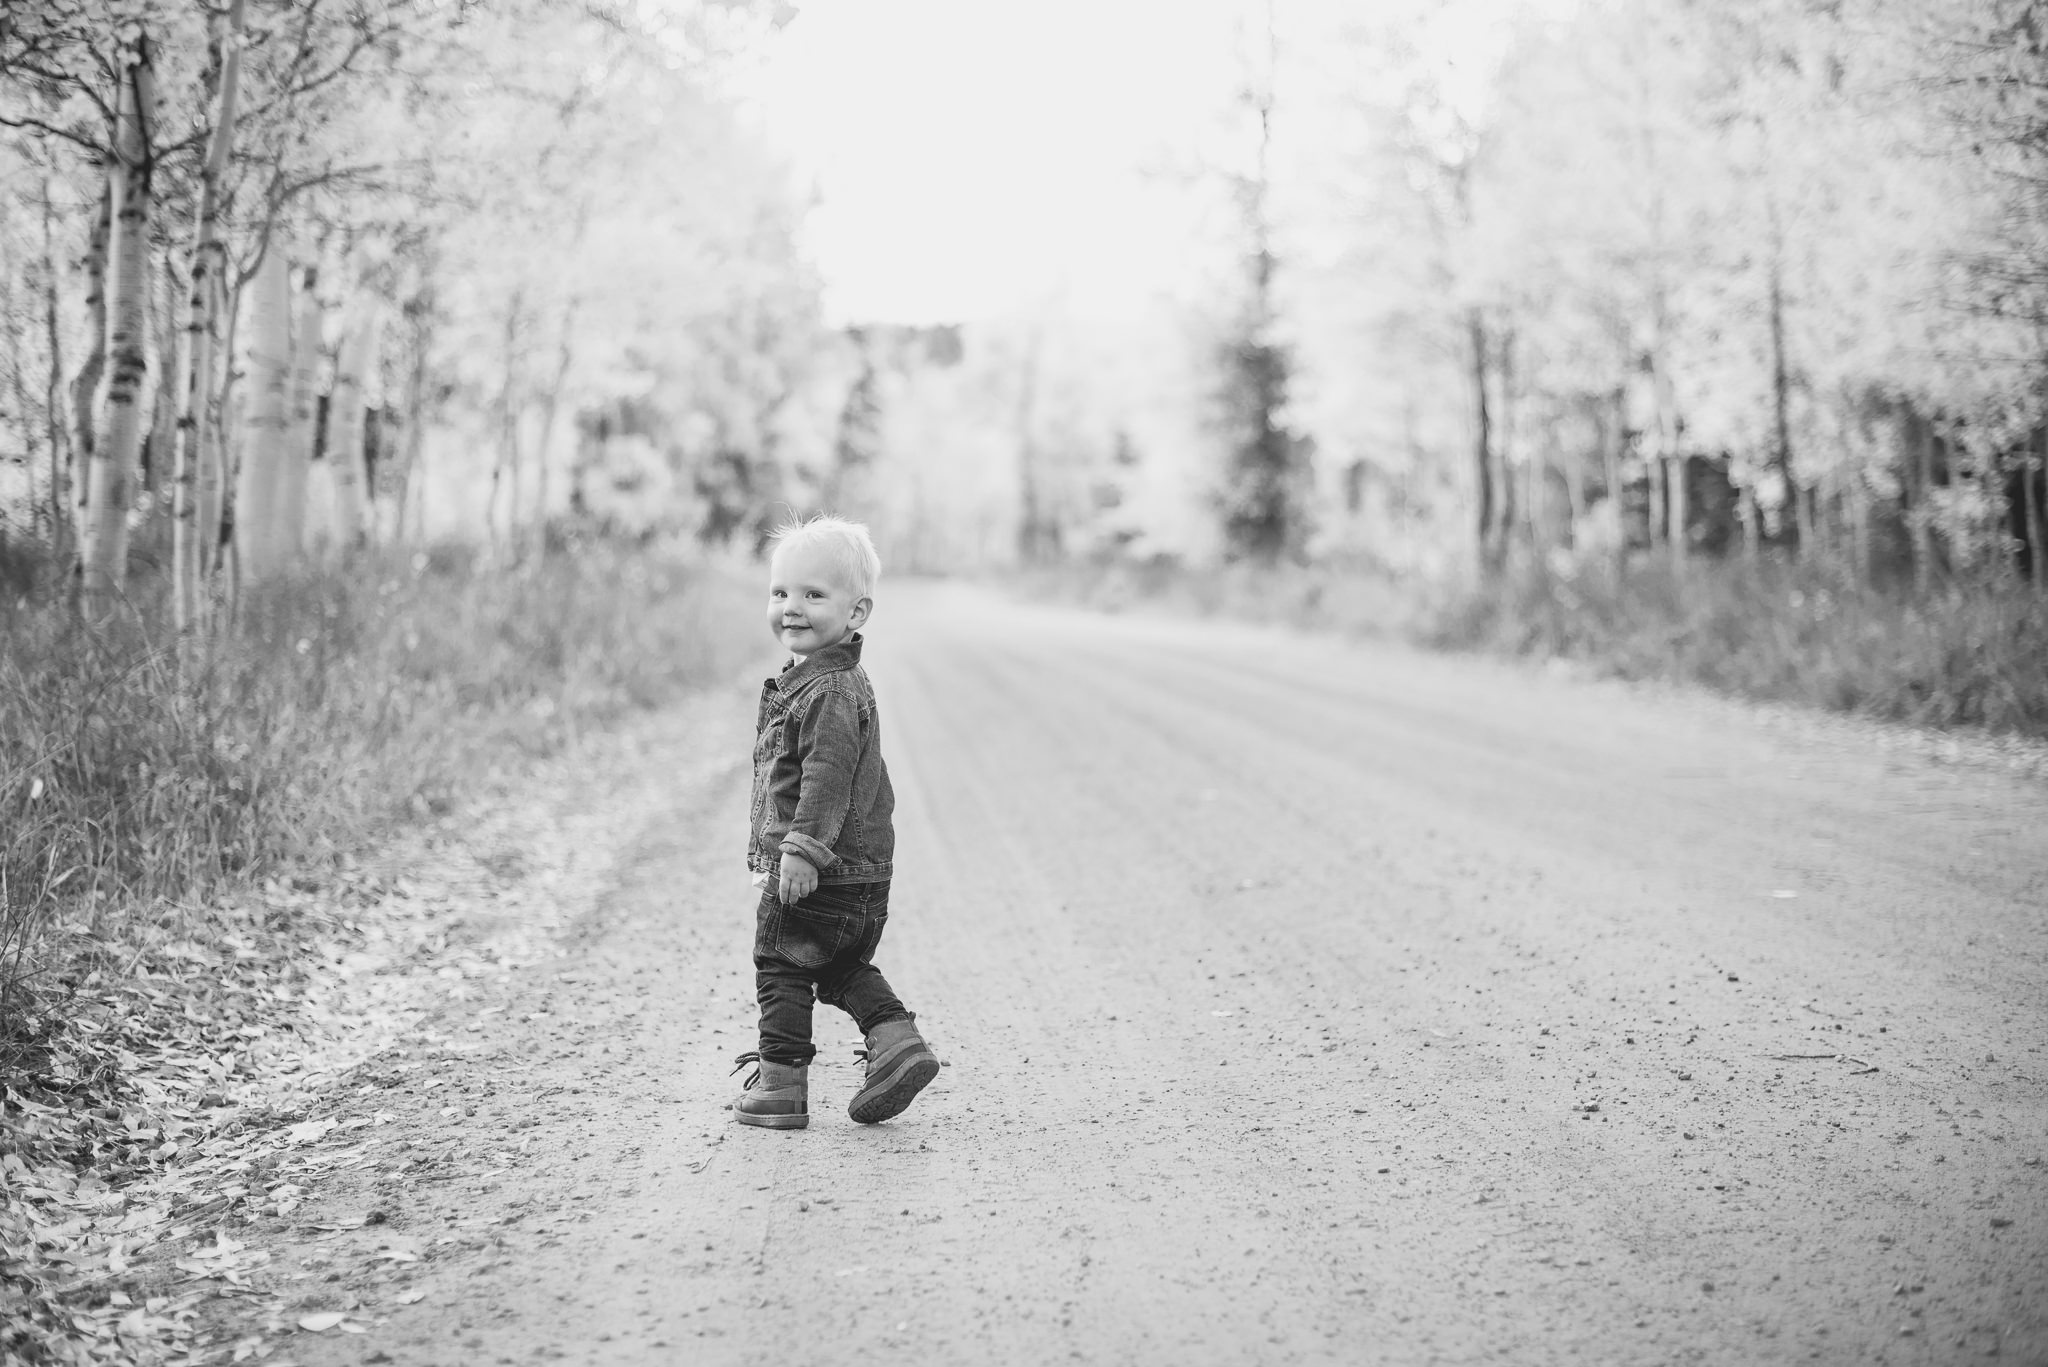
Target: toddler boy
{"x":822,"y":838}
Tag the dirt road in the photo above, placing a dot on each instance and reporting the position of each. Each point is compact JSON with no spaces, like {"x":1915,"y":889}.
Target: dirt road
{"x":1302,"y":1003}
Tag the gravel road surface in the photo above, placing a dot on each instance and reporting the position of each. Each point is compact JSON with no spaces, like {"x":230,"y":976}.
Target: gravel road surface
{"x":1302,"y":1002}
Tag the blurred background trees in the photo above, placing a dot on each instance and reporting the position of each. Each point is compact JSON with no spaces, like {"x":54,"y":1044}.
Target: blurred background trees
{"x":1432,"y":286}
{"x":1731,"y":276}
{"x":284,"y":277}
{"x":1465,"y":286}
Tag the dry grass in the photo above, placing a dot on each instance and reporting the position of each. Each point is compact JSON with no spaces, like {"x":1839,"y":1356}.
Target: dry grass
{"x":137,"y":777}
{"x":1960,"y":655}
{"x":1964,"y":654}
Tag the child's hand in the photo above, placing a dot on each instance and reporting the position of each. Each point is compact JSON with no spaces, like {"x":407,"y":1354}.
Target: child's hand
{"x":797,"y":880}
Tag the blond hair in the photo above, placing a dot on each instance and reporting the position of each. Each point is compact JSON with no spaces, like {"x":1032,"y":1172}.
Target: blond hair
{"x":848,"y":544}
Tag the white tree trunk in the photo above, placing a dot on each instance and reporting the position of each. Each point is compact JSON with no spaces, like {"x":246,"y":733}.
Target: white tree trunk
{"x":345,"y":432}
{"x":267,"y":429}
{"x":550,"y":407}
{"x":163,"y":410}
{"x":297,"y":452}
{"x":114,"y":460}
{"x":53,"y":386}
{"x":406,"y":483}
{"x":196,"y":392}
{"x":221,"y":432}
{"x":194,"y":432}
{"x":14,"y":320}
{"x":85,"y":386}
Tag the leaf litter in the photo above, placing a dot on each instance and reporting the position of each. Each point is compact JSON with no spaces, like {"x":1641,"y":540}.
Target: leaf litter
{"x":203,"y":1083}
{"x":208,"y":1074}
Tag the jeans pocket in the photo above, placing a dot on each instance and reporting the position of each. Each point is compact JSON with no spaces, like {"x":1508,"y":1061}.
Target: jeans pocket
{"x":814,"y":932}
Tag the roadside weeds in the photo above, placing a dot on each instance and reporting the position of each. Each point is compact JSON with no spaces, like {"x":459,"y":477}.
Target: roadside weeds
{"x":1961,"y":657}
{"x":215,"y":1088}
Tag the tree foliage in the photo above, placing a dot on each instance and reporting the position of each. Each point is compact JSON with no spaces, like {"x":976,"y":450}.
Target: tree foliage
{"x":517,"y":212}
{"x":1744,"y":246}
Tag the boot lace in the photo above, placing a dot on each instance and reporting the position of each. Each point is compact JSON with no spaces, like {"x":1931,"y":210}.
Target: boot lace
{"x":752,"y":1056}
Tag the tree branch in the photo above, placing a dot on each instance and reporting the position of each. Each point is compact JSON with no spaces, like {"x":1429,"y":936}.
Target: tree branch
{"x":98,"y":149}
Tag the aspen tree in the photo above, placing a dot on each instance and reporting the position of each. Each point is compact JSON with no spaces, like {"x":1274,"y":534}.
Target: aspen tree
{"x":214,"y":452}
{"x":52,"y":406}
{"x":163,"y":411}
{"x":345,"y":432}
{"x":296,"y":455}
{"x":15,"y":321}
{"x":550,"y":407}
{"x":419,"y":314}
{"x":85,"y":385}
{"x":1482,"y":439}
{"x":2033,"y":524}
{"x":267,"y":430}
{"x":195,"y":390}
{"x":510,"y":405}
{"x":114,"y":460}
{"x":369,"y":373}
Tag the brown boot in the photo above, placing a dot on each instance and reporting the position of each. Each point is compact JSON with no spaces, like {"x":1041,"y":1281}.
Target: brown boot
{"x":899,"y":1066}
{"x":775,"y":1095}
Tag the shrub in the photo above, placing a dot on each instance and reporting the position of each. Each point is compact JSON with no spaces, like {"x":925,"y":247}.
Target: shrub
{"x":1966,"y":653}
{"x":137,"y":775}
{"x":1961,"y":654}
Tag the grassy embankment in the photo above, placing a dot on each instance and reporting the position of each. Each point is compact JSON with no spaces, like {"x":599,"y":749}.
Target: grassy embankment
{"x":133,"y":786}
{"x":142,"y":793}
{"x":1956,"y":655}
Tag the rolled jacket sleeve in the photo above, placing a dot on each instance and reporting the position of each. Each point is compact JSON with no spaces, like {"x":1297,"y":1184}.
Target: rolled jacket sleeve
{"x":828,"y":737}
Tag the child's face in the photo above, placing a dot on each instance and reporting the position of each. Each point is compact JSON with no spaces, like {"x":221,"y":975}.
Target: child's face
{"x":808,"y":608}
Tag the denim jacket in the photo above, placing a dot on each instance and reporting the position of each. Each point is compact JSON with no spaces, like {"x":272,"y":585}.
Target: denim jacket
{"x":820,"y":787}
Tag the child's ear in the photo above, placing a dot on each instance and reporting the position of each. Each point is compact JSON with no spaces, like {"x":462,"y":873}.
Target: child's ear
{"x":860,"y":613}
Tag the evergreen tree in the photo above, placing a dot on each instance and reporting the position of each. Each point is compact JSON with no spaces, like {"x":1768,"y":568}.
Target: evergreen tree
{"x":1265,"y":461}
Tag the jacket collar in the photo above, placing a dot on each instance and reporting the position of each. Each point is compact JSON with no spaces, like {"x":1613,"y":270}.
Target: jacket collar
{"x":844,"y":655}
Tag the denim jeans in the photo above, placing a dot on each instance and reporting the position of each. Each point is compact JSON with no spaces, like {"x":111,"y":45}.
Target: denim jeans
{"x":826,"y":941}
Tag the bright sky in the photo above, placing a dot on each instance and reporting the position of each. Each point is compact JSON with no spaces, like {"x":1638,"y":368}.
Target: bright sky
{"x":978,"y":156}
{"x":973,"y":155}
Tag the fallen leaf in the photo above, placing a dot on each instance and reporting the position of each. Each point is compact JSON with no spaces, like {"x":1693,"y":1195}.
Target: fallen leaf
{"x":222,"y":1247}
{"x":322,"y":1322}
{"x":306,"y":1131}
{"x":345,"y":1222}
{"x":410,"y":1297}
